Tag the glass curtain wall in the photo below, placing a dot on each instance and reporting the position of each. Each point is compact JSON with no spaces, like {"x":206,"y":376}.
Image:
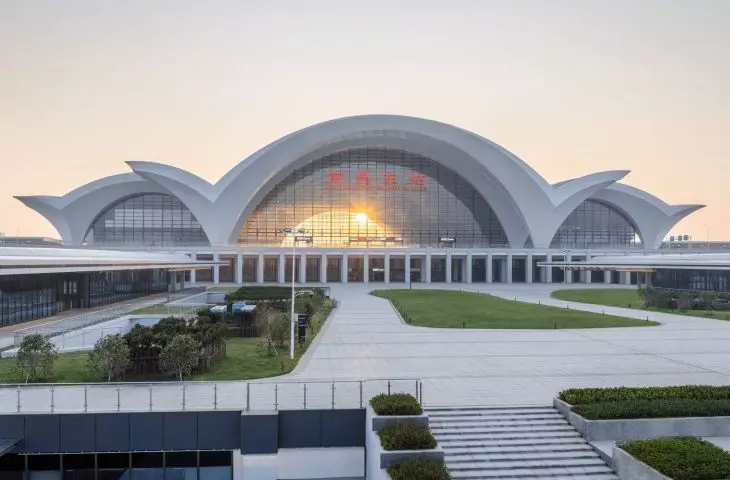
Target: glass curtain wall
{"x":27,"y":297}
{"x":184,"y":465}
{"x":596,"y":225}
{"x":375,"y":197}
{"x":148,"y":220}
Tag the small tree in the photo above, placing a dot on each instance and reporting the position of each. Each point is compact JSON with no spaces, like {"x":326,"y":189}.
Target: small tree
{"x":110,"y":357}
{"x":180,"y":355}
{"x":684,"y":300}
{"x":35,"y":357}
{"x":273,"y":326}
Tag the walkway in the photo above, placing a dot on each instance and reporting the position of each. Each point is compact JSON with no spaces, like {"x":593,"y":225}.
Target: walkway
{"x":366,"y":339}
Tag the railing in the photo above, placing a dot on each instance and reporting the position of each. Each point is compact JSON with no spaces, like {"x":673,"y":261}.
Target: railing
{"x":180,"y":396}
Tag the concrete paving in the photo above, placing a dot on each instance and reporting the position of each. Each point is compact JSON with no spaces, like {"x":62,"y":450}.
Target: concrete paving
{"x":367,"y":339}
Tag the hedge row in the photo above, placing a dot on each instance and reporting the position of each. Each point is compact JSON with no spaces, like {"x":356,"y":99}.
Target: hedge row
{"x":396,"y":404}
{"x":406,"y":435}
{"x":418,"y":469}
{"x":660,"y":408}
{"x":583,"y":396}
{"x":272,"y":292}
{"x":681,"y":458}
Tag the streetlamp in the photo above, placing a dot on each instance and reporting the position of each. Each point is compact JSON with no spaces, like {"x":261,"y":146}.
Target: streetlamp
{"x":565,"y":260}
{"x":293,"y":232}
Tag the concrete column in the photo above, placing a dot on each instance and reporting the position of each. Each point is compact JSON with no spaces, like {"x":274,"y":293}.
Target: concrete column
{"x":469,"y":260}
{"x":509,"y":268}
{"x":260,"y":268}
{"x":549,"y":270}
{"x":239,"y":268}
{"x":607,"y":277}
{"x":323,"y":268}
{"x":408,"y":267}
{"x":448,"y":266}
{"x":303,"y":268}
{"x":427,"y":277}
{"x":626,"y":278}
{"x":192,"y":276}
{"x":216,"y":269}
{"x":386,"y":263}
{"x":528,"y":268}
{"x":568,"y":273}
{"x":366,"y":268}
{"x":343,"y":268}
{"x":282,"y":269}
{"x":490,"y":274}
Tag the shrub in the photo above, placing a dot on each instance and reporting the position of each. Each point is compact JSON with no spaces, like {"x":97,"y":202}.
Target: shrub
{"x":656,"y":408}
{"x":681,"y":458}
{"x":35,"y":357}
{"x":180,"y":356}
{"x":396,"y":404}
{"x":581,"y":396}
{"x":110,"y":357}
{"x":406,"y":435}
{"x":418,"y":469}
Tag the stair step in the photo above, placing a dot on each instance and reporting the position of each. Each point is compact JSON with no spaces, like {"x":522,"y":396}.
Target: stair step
{"x":554,"y":476}
{"x":489,"y":411}
{"x":527,"y":429}
{"x":535,"y":438}
{"x":506,"y":449}
{"x":532,"y":464}
{"x":495,"y":424}
{"x":539,"y":472}
{"x":519,"y":456}
{"x":494,"y":418}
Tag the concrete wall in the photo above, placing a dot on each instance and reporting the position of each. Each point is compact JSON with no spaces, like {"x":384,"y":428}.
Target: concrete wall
{"x":629,"y":468}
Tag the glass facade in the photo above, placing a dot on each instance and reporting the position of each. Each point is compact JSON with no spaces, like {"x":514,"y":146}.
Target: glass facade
{"x":375,"y":197}
{"x":148,"y":220}
{"x":700,"y":280}
{"x":29,"y":297}
{"x":596,"y":225}
{"x":185,"y":465}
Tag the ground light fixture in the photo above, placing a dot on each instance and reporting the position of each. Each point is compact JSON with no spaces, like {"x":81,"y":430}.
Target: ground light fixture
{"x":293,"y":232}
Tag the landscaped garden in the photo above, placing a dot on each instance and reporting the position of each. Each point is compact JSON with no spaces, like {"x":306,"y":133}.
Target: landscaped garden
{"x":649,"y":402}
{"x":696,"y":304}
{"x":210,"y":346}
{"x":455,"y":309}
{"x":681,"y":458}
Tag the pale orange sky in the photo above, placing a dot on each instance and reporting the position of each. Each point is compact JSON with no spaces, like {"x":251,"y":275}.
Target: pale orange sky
{"x":571,"y":87}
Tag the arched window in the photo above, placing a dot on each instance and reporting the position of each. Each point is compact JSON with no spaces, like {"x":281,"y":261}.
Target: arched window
{"x":375,"y":197}
{"x":594,"y":224}
{"x":147,"y":220}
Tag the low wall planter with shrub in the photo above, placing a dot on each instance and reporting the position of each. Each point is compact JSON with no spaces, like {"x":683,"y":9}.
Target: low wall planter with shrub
{"x":679,"y":458}
{"x":417,"y":468}
{"x":386,"y":408}
{"x":397,"y":431}
{"x":631,"y":413}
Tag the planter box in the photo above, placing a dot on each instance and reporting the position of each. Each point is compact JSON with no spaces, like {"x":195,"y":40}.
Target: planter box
{"x":629,"y":468}
{"x":377,"y":459}
{"x":387,"y":458}
{"x":640,"y":428}
{"x":378,"y":421}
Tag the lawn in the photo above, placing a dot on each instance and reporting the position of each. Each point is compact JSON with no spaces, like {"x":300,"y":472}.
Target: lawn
{"x":452,"y":309}
{"x":627,"y":298}
{"x":162,"y":309}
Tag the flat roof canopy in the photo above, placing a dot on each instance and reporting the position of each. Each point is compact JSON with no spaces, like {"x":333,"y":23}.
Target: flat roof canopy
{"x":29,"y":260}
{"x":648,"y":263}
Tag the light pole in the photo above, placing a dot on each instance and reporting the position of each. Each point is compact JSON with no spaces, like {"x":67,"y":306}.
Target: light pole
{"x":565,"y":260}
{"x":293,"y":232}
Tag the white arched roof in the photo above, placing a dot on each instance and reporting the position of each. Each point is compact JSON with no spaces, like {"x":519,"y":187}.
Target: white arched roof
{"x":526,"y":204}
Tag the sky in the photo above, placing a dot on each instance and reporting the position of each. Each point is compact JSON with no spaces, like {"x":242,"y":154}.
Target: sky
{"x":570,"y":86}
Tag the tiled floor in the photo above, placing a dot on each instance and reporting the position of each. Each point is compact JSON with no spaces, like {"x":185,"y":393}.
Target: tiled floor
{"x":366,"y":339}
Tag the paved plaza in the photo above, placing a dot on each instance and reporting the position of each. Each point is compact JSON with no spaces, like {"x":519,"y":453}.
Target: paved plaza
{"x":366,"y":339}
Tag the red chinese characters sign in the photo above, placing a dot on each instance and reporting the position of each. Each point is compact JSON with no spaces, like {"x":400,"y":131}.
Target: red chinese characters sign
{"x":364,"y":180}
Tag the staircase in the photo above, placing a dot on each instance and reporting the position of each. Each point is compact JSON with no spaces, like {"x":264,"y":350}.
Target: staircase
{"x":527,"y":443}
